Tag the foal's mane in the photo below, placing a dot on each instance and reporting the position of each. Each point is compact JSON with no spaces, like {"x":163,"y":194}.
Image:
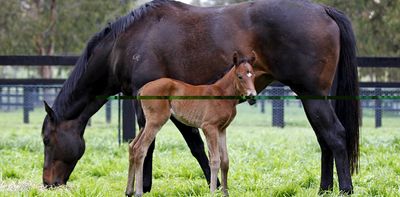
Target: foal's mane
{"x":112,"y":30}
{"x":241,"y":60}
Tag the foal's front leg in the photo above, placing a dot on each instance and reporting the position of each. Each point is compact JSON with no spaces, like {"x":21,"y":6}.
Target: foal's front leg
{"x":224,"y":161}
{"x":212,"y":136}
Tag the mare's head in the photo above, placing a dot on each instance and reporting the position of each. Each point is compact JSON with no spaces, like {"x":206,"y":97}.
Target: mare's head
{"x":63,"y":147}
{"x":244,"y":76}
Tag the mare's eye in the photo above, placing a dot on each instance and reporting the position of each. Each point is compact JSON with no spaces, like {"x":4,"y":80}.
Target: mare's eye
{"x":240,"y":76}
{"x":46,"y":141}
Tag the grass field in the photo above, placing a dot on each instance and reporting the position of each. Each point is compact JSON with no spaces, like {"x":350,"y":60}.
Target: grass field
{"x":264,"y":161}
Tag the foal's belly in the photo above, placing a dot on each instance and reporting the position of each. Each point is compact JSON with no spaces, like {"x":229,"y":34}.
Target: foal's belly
{"x":196,"y":113}
{"x":188,"y":113}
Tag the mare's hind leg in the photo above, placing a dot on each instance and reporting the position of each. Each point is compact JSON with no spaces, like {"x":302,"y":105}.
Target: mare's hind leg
{"x":329,"y":129}
{"x":326,"y":166}
{"x":196,"y":146}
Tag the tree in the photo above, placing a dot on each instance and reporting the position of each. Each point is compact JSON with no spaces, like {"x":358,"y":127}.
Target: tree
{"x":50,"y":27}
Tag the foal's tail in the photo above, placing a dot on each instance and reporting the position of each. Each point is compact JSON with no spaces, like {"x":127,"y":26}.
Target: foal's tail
{"x":347,"y":109}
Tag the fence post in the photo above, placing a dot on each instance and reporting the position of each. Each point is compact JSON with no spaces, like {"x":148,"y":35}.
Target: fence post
{"x":108,"y":112}
{"x":1,"y":98}
{"x":378,"y":108}
{"x":262,"y":102}
{"x":27,"y":103}
{"x":8,"y":98}
{"x":128,"y":120}
{"x":278,"y":108}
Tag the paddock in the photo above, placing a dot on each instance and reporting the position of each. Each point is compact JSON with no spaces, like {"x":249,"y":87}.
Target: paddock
{"x":284,"y":159}
{"x":273,"y":149}
{"x":265,"y":160}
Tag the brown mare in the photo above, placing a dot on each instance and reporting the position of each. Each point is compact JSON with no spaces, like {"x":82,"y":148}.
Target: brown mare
{"x":212,"y":116}
{"x":301,"y":44}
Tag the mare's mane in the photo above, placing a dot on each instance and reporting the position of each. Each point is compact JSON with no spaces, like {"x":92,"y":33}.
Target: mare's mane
{"x":113,"y":29}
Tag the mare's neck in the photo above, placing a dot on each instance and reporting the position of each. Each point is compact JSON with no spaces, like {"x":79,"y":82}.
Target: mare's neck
{"x":77,"y":98}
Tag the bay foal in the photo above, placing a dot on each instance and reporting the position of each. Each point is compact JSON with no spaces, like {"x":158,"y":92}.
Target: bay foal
{"x":212,"y":115}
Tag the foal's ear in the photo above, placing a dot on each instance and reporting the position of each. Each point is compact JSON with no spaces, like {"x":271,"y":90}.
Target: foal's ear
{"x":50,"y":112}
{"x":253,"y":57}
{"x":235,"y":58}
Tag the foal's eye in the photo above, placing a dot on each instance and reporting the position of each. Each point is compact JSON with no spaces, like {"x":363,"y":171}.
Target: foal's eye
{"x":240,"y":76}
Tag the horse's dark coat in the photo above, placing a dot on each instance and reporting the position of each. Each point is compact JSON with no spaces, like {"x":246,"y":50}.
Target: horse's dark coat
{"x":297,"y":42}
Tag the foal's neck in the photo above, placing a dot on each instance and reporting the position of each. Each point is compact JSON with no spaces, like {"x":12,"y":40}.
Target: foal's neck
{"x":227,"y":85}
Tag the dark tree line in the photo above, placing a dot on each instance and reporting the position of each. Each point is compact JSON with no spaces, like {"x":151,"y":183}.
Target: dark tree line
{"x":62,"y":27}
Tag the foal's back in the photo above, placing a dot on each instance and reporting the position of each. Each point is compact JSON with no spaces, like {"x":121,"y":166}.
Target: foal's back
{"x":192,"y":112}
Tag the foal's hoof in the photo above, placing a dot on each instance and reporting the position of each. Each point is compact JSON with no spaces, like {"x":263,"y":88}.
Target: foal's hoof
{"x":138,"y":195}
{"x":226,"y":193}
{"x":128,"y":194}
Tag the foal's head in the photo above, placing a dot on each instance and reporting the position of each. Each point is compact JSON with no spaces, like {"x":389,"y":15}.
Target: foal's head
{"x":244,"y":76}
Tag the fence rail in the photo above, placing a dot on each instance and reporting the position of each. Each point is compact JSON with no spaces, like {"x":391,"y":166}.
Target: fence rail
{"x":128,"y":115}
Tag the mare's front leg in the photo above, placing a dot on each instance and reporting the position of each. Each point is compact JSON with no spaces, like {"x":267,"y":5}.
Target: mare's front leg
{"x":196,"y":146}
{"x":212,"y":137}
{"x":224,"y":161}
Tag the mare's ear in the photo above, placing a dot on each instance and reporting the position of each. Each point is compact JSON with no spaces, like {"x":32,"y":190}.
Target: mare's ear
{"x":235,"y":58}
{"x":50,"y":112}
{"x":253,"y":57}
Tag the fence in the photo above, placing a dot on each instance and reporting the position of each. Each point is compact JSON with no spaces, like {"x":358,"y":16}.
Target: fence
{"x":379,"y":106}
{"x":28,"y":93}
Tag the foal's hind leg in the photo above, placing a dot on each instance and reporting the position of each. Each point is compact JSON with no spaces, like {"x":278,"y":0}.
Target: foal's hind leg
{"x":139,"y":152}
{"x":148,"y":160}
{"x":329,"y":129}
{"x":131,"y":171}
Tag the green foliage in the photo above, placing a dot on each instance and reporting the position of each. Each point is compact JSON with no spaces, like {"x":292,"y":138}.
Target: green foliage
{"x":24,"y":21}
{"x":26,"y":25}
{"x":377,"y":26}
{"x":264,"y":161}
{"x":51,"y":27}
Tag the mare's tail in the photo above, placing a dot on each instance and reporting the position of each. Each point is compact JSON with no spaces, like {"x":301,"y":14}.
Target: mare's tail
{"x":347,"y":110}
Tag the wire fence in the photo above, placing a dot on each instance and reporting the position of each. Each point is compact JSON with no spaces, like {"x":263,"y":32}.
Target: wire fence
{"x":29,"y":97}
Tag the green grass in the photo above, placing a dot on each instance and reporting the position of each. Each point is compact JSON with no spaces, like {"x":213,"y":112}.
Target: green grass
{"x":264,"y":161}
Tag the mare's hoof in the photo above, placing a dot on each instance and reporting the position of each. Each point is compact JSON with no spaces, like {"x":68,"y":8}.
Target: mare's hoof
{"x":325,"y":190}
{"x":146,"y":189}
{"x":346,"y":191}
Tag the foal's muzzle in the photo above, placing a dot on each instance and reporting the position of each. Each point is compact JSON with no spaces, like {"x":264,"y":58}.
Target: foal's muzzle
{"x":251,"y":97}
